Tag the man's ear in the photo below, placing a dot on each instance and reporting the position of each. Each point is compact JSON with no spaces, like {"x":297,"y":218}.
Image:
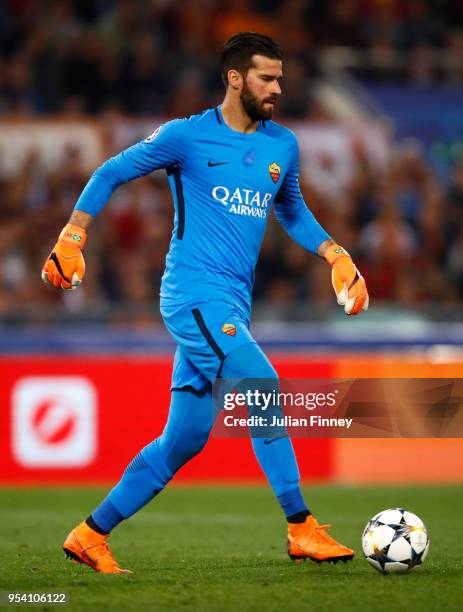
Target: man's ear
{"x":235,"y":79}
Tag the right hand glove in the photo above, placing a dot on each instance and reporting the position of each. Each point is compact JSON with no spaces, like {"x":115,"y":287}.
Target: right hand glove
{"x":65,"y":266}
{"x":348,"y":283}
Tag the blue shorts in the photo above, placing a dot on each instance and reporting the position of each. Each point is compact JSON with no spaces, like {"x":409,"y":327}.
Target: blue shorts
{"x":205,"y":333}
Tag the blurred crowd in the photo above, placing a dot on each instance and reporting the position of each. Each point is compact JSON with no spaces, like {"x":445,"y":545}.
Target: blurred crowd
{"x":153,"y":56}
{"x":404,"y":229}
{"x":403,"y":225}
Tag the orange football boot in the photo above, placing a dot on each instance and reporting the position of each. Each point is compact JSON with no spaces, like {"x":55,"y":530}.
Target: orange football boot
{"x":309,"y":540}
{"x":84,"y":545}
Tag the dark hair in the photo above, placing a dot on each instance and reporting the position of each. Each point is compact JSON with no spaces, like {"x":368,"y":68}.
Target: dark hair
{"x":238,"y":50}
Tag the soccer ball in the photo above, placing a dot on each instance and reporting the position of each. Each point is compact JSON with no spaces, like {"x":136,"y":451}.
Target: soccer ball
{"x":395,"y":541}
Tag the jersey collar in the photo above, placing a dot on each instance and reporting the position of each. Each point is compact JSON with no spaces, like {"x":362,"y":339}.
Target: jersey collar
{"x":221,"y":121}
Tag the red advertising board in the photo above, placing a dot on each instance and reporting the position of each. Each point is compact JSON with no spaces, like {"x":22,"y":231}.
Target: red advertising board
{"x":82,"y":419}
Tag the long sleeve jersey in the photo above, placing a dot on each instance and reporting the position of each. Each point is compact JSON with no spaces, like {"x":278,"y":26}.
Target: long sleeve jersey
{"x":224,"y":184}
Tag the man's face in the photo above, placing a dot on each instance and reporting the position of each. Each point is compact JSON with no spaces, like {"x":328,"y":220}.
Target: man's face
{"x":261,"y":87}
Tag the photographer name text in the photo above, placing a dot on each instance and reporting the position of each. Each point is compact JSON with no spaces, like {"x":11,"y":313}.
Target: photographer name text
{"x":286,"y":421}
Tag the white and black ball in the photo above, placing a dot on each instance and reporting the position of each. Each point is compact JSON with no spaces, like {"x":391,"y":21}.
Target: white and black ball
{"x":395,"y":541}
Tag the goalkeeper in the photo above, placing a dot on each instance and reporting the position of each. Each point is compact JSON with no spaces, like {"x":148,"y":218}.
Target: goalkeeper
{"x":227,"y":167}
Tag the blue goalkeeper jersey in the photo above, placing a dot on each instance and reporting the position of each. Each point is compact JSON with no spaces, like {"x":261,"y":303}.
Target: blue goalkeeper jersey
{"x":224,"y":184}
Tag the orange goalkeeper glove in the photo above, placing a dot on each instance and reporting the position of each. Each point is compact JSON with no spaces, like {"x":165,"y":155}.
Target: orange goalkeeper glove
{"x":348,"y":283}
{"x":65,"y":266}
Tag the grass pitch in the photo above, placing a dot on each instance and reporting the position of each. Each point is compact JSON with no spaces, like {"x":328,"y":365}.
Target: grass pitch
{"x":223,"y":549}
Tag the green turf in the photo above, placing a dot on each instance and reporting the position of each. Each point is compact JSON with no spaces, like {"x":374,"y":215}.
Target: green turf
{"x":224,"y":549}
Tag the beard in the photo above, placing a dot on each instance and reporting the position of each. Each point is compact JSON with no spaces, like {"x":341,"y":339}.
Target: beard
{"x":253,"y":107}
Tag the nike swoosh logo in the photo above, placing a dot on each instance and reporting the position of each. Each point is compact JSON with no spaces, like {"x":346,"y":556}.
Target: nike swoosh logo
{"x":211,"y":163}
{"x":55,"y":259}
{"x":271,"y":440}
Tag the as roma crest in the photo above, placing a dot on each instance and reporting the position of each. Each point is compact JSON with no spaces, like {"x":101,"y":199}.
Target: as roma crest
{"x":275,"y":171}
{"x":229,"y":329}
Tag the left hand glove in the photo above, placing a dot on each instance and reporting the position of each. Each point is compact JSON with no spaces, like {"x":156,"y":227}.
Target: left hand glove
{"x":348,"y":283}
{"x":65,"y":266}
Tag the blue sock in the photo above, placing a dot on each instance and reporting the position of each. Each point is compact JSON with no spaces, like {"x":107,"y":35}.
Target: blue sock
{"x":293,"y":503}
{"x":187,"y":430}
{"x":274,"y":454}
{"x":278,"y":462}
{"x":105,"y":517}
